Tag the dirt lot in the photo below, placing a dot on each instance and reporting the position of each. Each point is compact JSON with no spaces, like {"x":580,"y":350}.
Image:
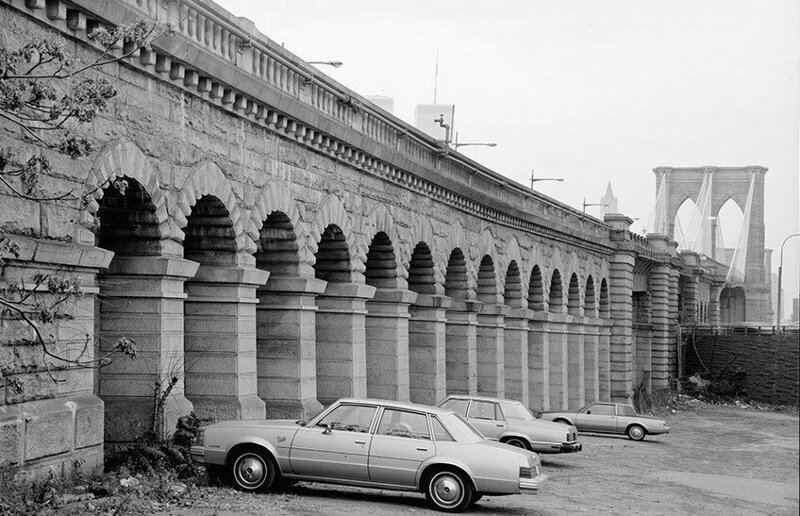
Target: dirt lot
{"x":717,"y":460}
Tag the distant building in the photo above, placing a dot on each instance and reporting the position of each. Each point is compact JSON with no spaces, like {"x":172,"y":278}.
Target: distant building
{"x":425,"y":117}
{"x":383,"y":102}
{"x":796,"y":310}
{"x":608,"y":203}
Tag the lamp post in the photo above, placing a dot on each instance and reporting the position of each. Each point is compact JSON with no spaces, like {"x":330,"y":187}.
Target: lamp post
{"x":534,"y":179}
{"x":780,"y":277}
{"x":335,"y":64}
{"x":585,"y":204}
{"x":456,"y":144}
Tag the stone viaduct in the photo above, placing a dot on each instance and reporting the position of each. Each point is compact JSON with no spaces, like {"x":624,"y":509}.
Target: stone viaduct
{"x":281,"y":242}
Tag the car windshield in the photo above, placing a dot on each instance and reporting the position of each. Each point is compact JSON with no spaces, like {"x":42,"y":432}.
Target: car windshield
{"x":516,"y":411}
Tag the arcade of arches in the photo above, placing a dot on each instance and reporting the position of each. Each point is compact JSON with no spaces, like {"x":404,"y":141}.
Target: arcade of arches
{"x":278,"y":244}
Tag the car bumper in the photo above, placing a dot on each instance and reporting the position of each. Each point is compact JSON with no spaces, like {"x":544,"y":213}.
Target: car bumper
{"x":198,"y":454}
{"x":541,"y":447}
{"x":532,"y":485}
{"x":571,"y":447}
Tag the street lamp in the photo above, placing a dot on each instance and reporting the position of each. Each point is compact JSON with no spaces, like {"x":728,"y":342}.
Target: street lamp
{"x":780,"y":274}
{"x":335,"y":64}
{"x":456,"y":145}
{"x":585,"y":204}
{"x":534,"y":179}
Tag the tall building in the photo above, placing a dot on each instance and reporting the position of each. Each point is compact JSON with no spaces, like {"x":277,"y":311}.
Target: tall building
{"x":608,"y":203}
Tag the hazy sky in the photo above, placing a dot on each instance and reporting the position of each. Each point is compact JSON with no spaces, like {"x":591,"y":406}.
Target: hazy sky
{"x":588,"y":90}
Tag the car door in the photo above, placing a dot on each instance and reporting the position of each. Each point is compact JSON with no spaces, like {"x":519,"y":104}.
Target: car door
{"x":599,"y":417}
{"x":487,"y":417}
{"x":337,"y":446}
{"x":401,"y":443}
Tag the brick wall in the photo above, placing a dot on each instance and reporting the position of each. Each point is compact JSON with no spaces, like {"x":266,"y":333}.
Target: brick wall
{"x":772,"y":362}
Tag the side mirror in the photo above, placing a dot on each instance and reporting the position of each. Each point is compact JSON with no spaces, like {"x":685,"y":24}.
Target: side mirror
{"x":328,"y":429}
{"x":300,"y":422}
{"x":588,"y":411}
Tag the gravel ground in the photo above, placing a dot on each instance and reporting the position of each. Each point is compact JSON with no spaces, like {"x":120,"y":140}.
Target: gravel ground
{"x":717,"y":460}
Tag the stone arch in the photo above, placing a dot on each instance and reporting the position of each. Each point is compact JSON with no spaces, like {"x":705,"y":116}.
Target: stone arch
{"x":574,"y":296}
{"x":380,"y":224}
{"x":421,"y":275}
{"x":120,"y":158}
{"x":603,"y":304}
{"x":488,"y":291}
{"x":590,"y":298}
{"x":456,"y":283}
{"x":513,"y":295}
{"x":556,"y":293}
{"x":333,"y":213}
{"x":381,"y":264}
{"x":536,"y":290}
{"x":277,"y":198}
{"x":207,"y":179}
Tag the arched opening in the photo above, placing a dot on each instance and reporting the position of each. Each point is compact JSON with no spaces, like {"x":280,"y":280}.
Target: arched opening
{"x":556,"y":300}
{"x":536,"y":290}
{"x":685,"y":223}
{"x":455,"y":283}
{"x":421,"y":277}
{"x":605,"y":309}
{"x":284,"y":324}
{"x":277,"y":250}
{"x":512,"y":294}
{"x":211,"y":313}
{"x":381,"y":267}
{"x":574,"y":296}
{"x":732,"y":306}
{"x":487,"y":281}
{"x":129,"y":306}
{"x":728,"y":228}
{"x":333,"y":256}
{"x":590,"y":302}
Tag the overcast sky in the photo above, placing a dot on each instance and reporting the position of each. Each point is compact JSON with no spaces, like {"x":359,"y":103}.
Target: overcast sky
{"x":588,"y":90}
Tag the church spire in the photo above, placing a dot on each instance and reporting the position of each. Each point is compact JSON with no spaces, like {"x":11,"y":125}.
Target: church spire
{"x":608,"y":202}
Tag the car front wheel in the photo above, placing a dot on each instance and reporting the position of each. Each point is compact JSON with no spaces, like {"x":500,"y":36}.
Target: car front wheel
{"x":636,"y":432}
{"x":253,"y":470}
{"x":449,"y":491}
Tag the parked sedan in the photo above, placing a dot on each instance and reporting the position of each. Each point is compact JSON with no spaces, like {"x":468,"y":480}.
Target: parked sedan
{"x":371,"y":443}
{"x":610,"y":418}
{"x":510,"y":422}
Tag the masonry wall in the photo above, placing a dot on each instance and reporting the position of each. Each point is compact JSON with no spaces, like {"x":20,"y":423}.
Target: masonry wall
{"x":771,"y":362}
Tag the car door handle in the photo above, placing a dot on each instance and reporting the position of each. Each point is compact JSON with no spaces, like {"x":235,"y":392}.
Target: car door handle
{"x":500,"y":425}
{"x":421,"y":448}
{"x":360,"y":442}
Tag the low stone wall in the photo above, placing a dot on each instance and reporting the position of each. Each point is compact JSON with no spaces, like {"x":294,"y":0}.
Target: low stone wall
{"x":771,"y":362}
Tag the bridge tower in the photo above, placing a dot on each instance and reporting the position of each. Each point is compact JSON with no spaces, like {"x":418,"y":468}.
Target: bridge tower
{"x":745,"y":296}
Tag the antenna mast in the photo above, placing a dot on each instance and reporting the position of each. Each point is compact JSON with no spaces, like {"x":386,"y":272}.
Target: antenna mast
{"x":436,"y":77}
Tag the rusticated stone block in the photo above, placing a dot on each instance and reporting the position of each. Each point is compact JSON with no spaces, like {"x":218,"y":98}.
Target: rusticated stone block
{"x":11,"y":427}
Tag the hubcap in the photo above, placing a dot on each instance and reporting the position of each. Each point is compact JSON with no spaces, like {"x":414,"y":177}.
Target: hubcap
{"x":515,"y":442}
{"x":447,"y":490}
{"x":250,"y":471}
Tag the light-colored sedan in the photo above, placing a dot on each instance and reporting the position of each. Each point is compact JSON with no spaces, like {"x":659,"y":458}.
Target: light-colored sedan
{"x":510,"y":422}
{"x":371,"y":443}
{"x":610,"y":418}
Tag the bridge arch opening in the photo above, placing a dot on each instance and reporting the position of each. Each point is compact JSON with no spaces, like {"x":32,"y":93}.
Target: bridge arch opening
{"x":687,"y":217}
{"x":381,"y":266}
{"x":421,"y":277}
{"x":574,"y":296}
{"x":732,"y":306}
{"x":512,"y":294}
{"x":555,"y":301}
{"x":128,"y":226}
{"x":603,"y":305}
{"x":455,"y":283}
{"x":590,"y":301}
{"x":333,"y":256}
{"x":487,"y":281}
{"x":728,"y":229}
{"x":277,"y":250}
{"x":211,"y":314}
{"x":536,"y":290}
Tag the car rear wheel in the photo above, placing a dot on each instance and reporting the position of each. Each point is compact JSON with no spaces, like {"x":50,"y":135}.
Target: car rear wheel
{"x":518,"y":443}
{"x":449,"y":491}
{"x":636,"y":432}
{"x":253,"y":470}
{"x":561,"y":420}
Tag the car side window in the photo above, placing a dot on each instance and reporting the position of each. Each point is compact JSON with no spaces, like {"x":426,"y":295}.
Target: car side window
{"x":457,"y":405}
{"x":440,"y":433}
{"x":482,"y":410}
{"x":601,"y":410}
{"x":402,"y":423}
{"x":351,"y":418}
{"x":626,"y":410}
